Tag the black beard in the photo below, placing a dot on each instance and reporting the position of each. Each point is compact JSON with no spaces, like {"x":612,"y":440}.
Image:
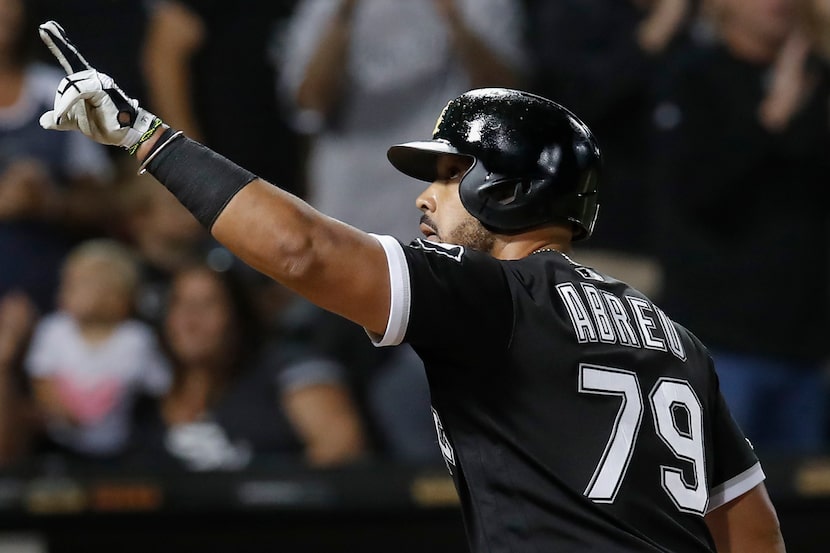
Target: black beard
{"x":471,"y":234}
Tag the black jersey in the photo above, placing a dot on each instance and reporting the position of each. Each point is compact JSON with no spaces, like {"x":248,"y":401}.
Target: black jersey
{"x":571,"y":412}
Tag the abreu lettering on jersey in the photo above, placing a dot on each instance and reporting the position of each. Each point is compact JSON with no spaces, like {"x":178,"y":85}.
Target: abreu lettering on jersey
{"x":599,"y":316}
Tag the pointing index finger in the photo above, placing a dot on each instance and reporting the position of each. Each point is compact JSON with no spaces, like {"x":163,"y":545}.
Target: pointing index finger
{"x":62,"y":48}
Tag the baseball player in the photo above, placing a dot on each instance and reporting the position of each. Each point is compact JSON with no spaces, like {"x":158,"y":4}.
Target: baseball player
{"x":572,"y":413}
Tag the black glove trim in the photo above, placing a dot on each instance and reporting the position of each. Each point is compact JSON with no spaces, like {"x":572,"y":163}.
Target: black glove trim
{"x":122,"y":105}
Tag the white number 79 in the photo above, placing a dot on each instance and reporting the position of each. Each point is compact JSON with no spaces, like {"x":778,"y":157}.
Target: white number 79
{"x":666,"y":397}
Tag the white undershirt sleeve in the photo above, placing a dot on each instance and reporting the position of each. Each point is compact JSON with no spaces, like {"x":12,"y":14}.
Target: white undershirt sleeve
{"x":400,"y":290}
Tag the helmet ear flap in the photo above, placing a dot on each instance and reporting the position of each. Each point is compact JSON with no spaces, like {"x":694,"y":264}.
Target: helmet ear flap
{"x":468,"y":190}
{"x":491,"y":197}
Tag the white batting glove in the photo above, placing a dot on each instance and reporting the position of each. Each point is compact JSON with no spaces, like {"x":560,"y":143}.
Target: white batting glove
{"x":91,"y":102}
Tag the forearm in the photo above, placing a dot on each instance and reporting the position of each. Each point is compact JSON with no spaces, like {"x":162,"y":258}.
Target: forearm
{"x":747,"y":524}
{"x":328,"y":262}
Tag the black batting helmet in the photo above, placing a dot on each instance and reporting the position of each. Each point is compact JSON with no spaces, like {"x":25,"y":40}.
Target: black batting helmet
{"x":534,"y":162}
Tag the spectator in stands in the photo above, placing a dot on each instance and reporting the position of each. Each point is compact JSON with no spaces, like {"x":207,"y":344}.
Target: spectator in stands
{"x":598,"y":57}
{"x":373,"y":72}
{"x":360,"y":75}
{"x":741,"y":162}
{"x":89,"y":360}
{"x":166,"y":237}
{"x":235,"y":397}
{"x":814,"y":15}
{"x":17,"y":320}
{"x":192,"y":53}
{"x":51,"y":184}
{"x":389,"y":383}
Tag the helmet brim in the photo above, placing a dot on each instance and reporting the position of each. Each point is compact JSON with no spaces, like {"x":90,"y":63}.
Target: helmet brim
{"x":420,"y":159}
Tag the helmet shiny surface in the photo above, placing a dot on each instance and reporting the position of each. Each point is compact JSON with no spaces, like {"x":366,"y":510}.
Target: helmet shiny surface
{"x":535,"y":162}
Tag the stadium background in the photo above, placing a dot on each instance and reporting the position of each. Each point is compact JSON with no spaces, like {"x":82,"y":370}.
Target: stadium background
{"x":377,"y":505}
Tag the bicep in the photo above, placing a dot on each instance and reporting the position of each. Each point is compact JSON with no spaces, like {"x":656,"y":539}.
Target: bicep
{"x":747,"y":524}
{"x":333,"y":265}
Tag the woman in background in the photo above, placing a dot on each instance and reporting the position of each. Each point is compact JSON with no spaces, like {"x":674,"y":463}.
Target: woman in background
{"x":235,"y":397}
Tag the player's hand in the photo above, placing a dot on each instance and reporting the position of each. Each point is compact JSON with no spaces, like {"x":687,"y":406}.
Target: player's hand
{"x":91,"y":102}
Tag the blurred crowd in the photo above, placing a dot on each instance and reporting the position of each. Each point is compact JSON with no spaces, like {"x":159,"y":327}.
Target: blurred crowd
{"x":129,"y":336}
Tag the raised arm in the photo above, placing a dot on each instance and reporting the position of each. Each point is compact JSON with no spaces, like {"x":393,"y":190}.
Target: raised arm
{"x":747,"y":524}
{"x":335,"y":266}
{"x":338,"y":267}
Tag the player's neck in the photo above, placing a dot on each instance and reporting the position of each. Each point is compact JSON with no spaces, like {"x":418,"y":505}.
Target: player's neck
{"x":521,"y":245}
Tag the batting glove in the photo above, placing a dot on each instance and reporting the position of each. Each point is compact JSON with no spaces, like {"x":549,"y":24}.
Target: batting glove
{"x":90,"y":101}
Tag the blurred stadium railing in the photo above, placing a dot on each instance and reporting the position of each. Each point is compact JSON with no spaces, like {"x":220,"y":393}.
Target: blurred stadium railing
{"x":364,"y":509}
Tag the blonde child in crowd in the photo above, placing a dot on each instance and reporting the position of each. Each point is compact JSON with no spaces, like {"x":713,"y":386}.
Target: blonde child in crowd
{"x":90,"y":359}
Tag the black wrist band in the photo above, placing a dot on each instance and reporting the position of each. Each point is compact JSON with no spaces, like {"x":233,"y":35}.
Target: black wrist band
{"x":166,"y":134}
{"x":202,"y":180}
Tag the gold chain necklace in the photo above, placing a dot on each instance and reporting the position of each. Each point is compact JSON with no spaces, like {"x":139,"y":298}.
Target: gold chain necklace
{"x":540,"y":250}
